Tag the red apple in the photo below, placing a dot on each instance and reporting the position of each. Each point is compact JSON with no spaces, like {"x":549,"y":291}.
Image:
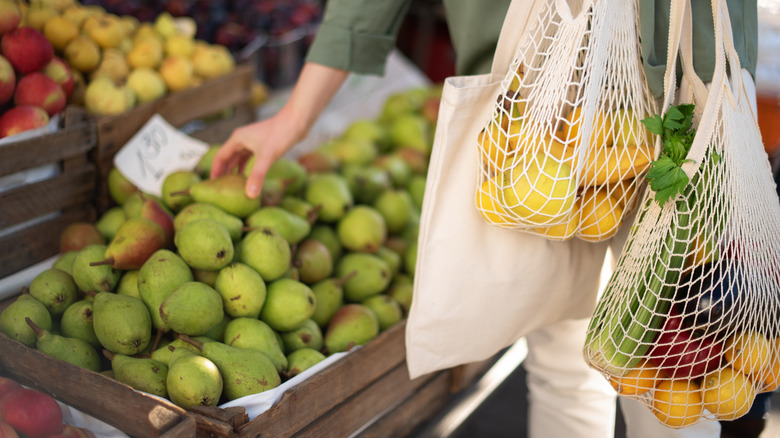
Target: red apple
{"x":7,"y":386}
{"x":6,"y":431}
{"x":32,"y":413}
{"x":26,"y":49}
{"x":10,"y":16}
{"x":7,"y":80}
{"x":22,"y":118}
{"x":38,"y":89}
{"x":60,"y":71}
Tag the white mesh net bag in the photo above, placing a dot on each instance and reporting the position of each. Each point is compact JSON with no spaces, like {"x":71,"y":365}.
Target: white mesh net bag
{"x":689,"y":323}
{"x":563,"y":151}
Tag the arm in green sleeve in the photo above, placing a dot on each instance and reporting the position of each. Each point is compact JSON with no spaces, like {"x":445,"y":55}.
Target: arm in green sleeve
{"x":358,"y":35}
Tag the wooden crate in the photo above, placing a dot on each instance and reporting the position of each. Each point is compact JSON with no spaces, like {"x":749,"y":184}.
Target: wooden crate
{"x":34,"y":214}
{"x":220,"y":104}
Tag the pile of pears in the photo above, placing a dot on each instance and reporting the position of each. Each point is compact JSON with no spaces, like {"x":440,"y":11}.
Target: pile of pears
{"x":204,"y":295}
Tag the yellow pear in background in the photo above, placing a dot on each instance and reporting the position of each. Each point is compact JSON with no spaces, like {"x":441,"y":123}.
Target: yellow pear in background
{"x":82,"y":54}
{"x":76,"y":14}
{"x":104,"y":97}
{"x":213,"y":62}
{"x":146,"y":52}
{"x":37,"y":15}
{"x":177,"y":71}
{"x":147,"y":84}
{"x":129,"y":23}
{"x":60,"y":31}
{"x":114,"y":65}
{"x":107,"y":32}
{"x":179,"y":45}
{"x":57,"y":5}
{"x":165,"y":25}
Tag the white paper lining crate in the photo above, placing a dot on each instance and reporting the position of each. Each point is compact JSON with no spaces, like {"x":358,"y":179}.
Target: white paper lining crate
{"x":49,"y":182}
{"x":210,"y":112}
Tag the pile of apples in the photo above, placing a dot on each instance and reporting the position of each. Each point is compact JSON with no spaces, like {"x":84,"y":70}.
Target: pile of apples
{"x":34,"y":414}
{"x":59,"y":52}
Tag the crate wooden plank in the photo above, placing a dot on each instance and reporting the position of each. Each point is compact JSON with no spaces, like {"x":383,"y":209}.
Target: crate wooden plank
{"x":374,"y":399}
{"x":69,"y":189}
{"x":68,"y":142}
{"x":314,"y":397}
{"x":130,"y":411}
{"x":36,"y":243}
{"x":420,"y":406}
{"x":464,"y":375}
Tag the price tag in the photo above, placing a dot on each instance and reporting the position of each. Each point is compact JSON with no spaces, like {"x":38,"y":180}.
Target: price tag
{"x":154,"y":152}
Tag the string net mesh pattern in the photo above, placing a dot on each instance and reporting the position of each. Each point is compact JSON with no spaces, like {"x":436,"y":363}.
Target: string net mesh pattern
{"x":563,"y":153}
{"x":689,"y":323}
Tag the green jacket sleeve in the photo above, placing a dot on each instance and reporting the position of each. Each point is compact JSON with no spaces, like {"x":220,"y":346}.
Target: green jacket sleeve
{"x":654,"y":25}
{"x":358,"y":35}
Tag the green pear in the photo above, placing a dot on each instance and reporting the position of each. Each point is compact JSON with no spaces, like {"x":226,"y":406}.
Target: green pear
{"x":199,"y":210}
{"x":412,"y":131}
{"x":13,"y":319}
{"x":301,"y":360}
{"x":142,"y":374}
{"x":354,"y":151}
{"x":288,"y":304}
{"x":121,"y":322}
{"x":416,"y":189}
{"x":251,"y":333}
{"x":331,"y":191}
{"x":55,"y":289}
{"x":292,"y":273}
{"x":128,"y":284}
{"x":203,"y":167}
{"x":319,"y":161}
{"x":396,"y":207}
{"x":177,"y":181}
{"x":328,"y":236}
{"x":300,"y":207}
{"x":71,"y":350}
{"x":352,"y":325}
{"x":267,"y":252}
{"x":164,"y":353}
{"x":226,"y":192}
{"x":242,"y":289}
{"x":65,"y":262}
{"x":392,"y":258}
{"x":373,"y":275}
{"x":399,"y":170}
{"x":313,"y":261}
{"x":289,"y":170}
{"x":386,"y":309}
{"x":163,"y":272}
{"x":135,"y":241}
{"x":193,"y":380}
{"x":308,"y":335}
{"x":293,"y":228}
{"x":399,"y":104}
{"x":366,"y":182}
{"x":402,"y":290}
{"x":207,"y":276}
{"x":110,"y":221}
{"x":76,"y":322}
{"x":205,"y":244}
{"x":329,"y":297}
{"x":119,"y":187}
{"x":362,"y":229}
{"x":217,"y":332}
{"x":410,"y":258}
{"x":102,"y":278}
{"x":368,"y":130}
{"x":192,"y":308}
{"x":244,"y":371}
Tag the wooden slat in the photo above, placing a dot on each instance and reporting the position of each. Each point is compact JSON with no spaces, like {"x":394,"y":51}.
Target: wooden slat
{"x":464,"y":375}
{"x":69,"y":189}
{"x":419,"y":407}
{"x":69,"y":142}
{"x":133,"y":412}
{"x":36,"y":243}
{"x":351,"y":415}
{"x":314,"y":397}
{"x":185,"y":428}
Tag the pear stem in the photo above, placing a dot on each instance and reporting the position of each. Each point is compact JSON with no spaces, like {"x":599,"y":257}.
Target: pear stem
{"x":38,"y":331}
{"x":189,"y":340}
{"x":108,"y":354}
{"x":108,"y":261}
{"x":157,"y":338}
{"x":340,"y":282}
{"x":313,"y":214}
{"x":185,"y":192}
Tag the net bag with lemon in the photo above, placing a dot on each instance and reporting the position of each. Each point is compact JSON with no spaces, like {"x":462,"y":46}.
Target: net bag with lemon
{"x":689,"y":322}
{"x":563,"y":152}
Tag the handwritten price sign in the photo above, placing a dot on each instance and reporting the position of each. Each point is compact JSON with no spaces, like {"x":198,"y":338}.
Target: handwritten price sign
{"x":154,"y":152}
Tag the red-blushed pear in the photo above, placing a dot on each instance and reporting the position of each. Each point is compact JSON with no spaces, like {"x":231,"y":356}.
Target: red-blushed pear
{"x":7,"y":80}
{"x":10,"y":16}
{"x":32,"y":413}
{"x":38,"y":89}
{"x":317,"y":161}
{"x":22,"y":118}
{"x":60,"y":71}
{"x":135,"y":241}
{"x":79,"y":235}
{"x":26,"y":49}
{"x":152,"y":209}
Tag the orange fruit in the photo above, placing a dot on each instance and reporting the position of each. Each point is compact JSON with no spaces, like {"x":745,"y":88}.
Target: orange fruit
{"x":748,"y":351}
{"x":727,"y":393}
{"x":637,"y":381}
{"x":677,"y":403}
{"x":772,"y":379}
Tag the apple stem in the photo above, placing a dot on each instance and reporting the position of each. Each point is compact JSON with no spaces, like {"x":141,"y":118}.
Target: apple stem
{"x":108,"y":261}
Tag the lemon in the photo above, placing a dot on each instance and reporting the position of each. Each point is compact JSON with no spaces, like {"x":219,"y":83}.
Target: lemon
{"x":602,"y":129}
{"x":627,"y":129}
{"x":489,"y":205}
{"x":728,"y":394}
{"x":539,"y":189}
{"x":601,"y":215}
{"x":565,"y":230}
{"x":677,"y":403}
{"x":616,"y":163}
{"x":493,"y":145}
{"x":748,"y":352}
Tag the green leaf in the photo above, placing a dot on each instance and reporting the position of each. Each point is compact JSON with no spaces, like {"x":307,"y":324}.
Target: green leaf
{"x":667,"y":179}
{"x":654,"y":124}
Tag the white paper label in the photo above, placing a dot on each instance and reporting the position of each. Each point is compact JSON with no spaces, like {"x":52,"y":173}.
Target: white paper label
{"x":154,"y":152}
